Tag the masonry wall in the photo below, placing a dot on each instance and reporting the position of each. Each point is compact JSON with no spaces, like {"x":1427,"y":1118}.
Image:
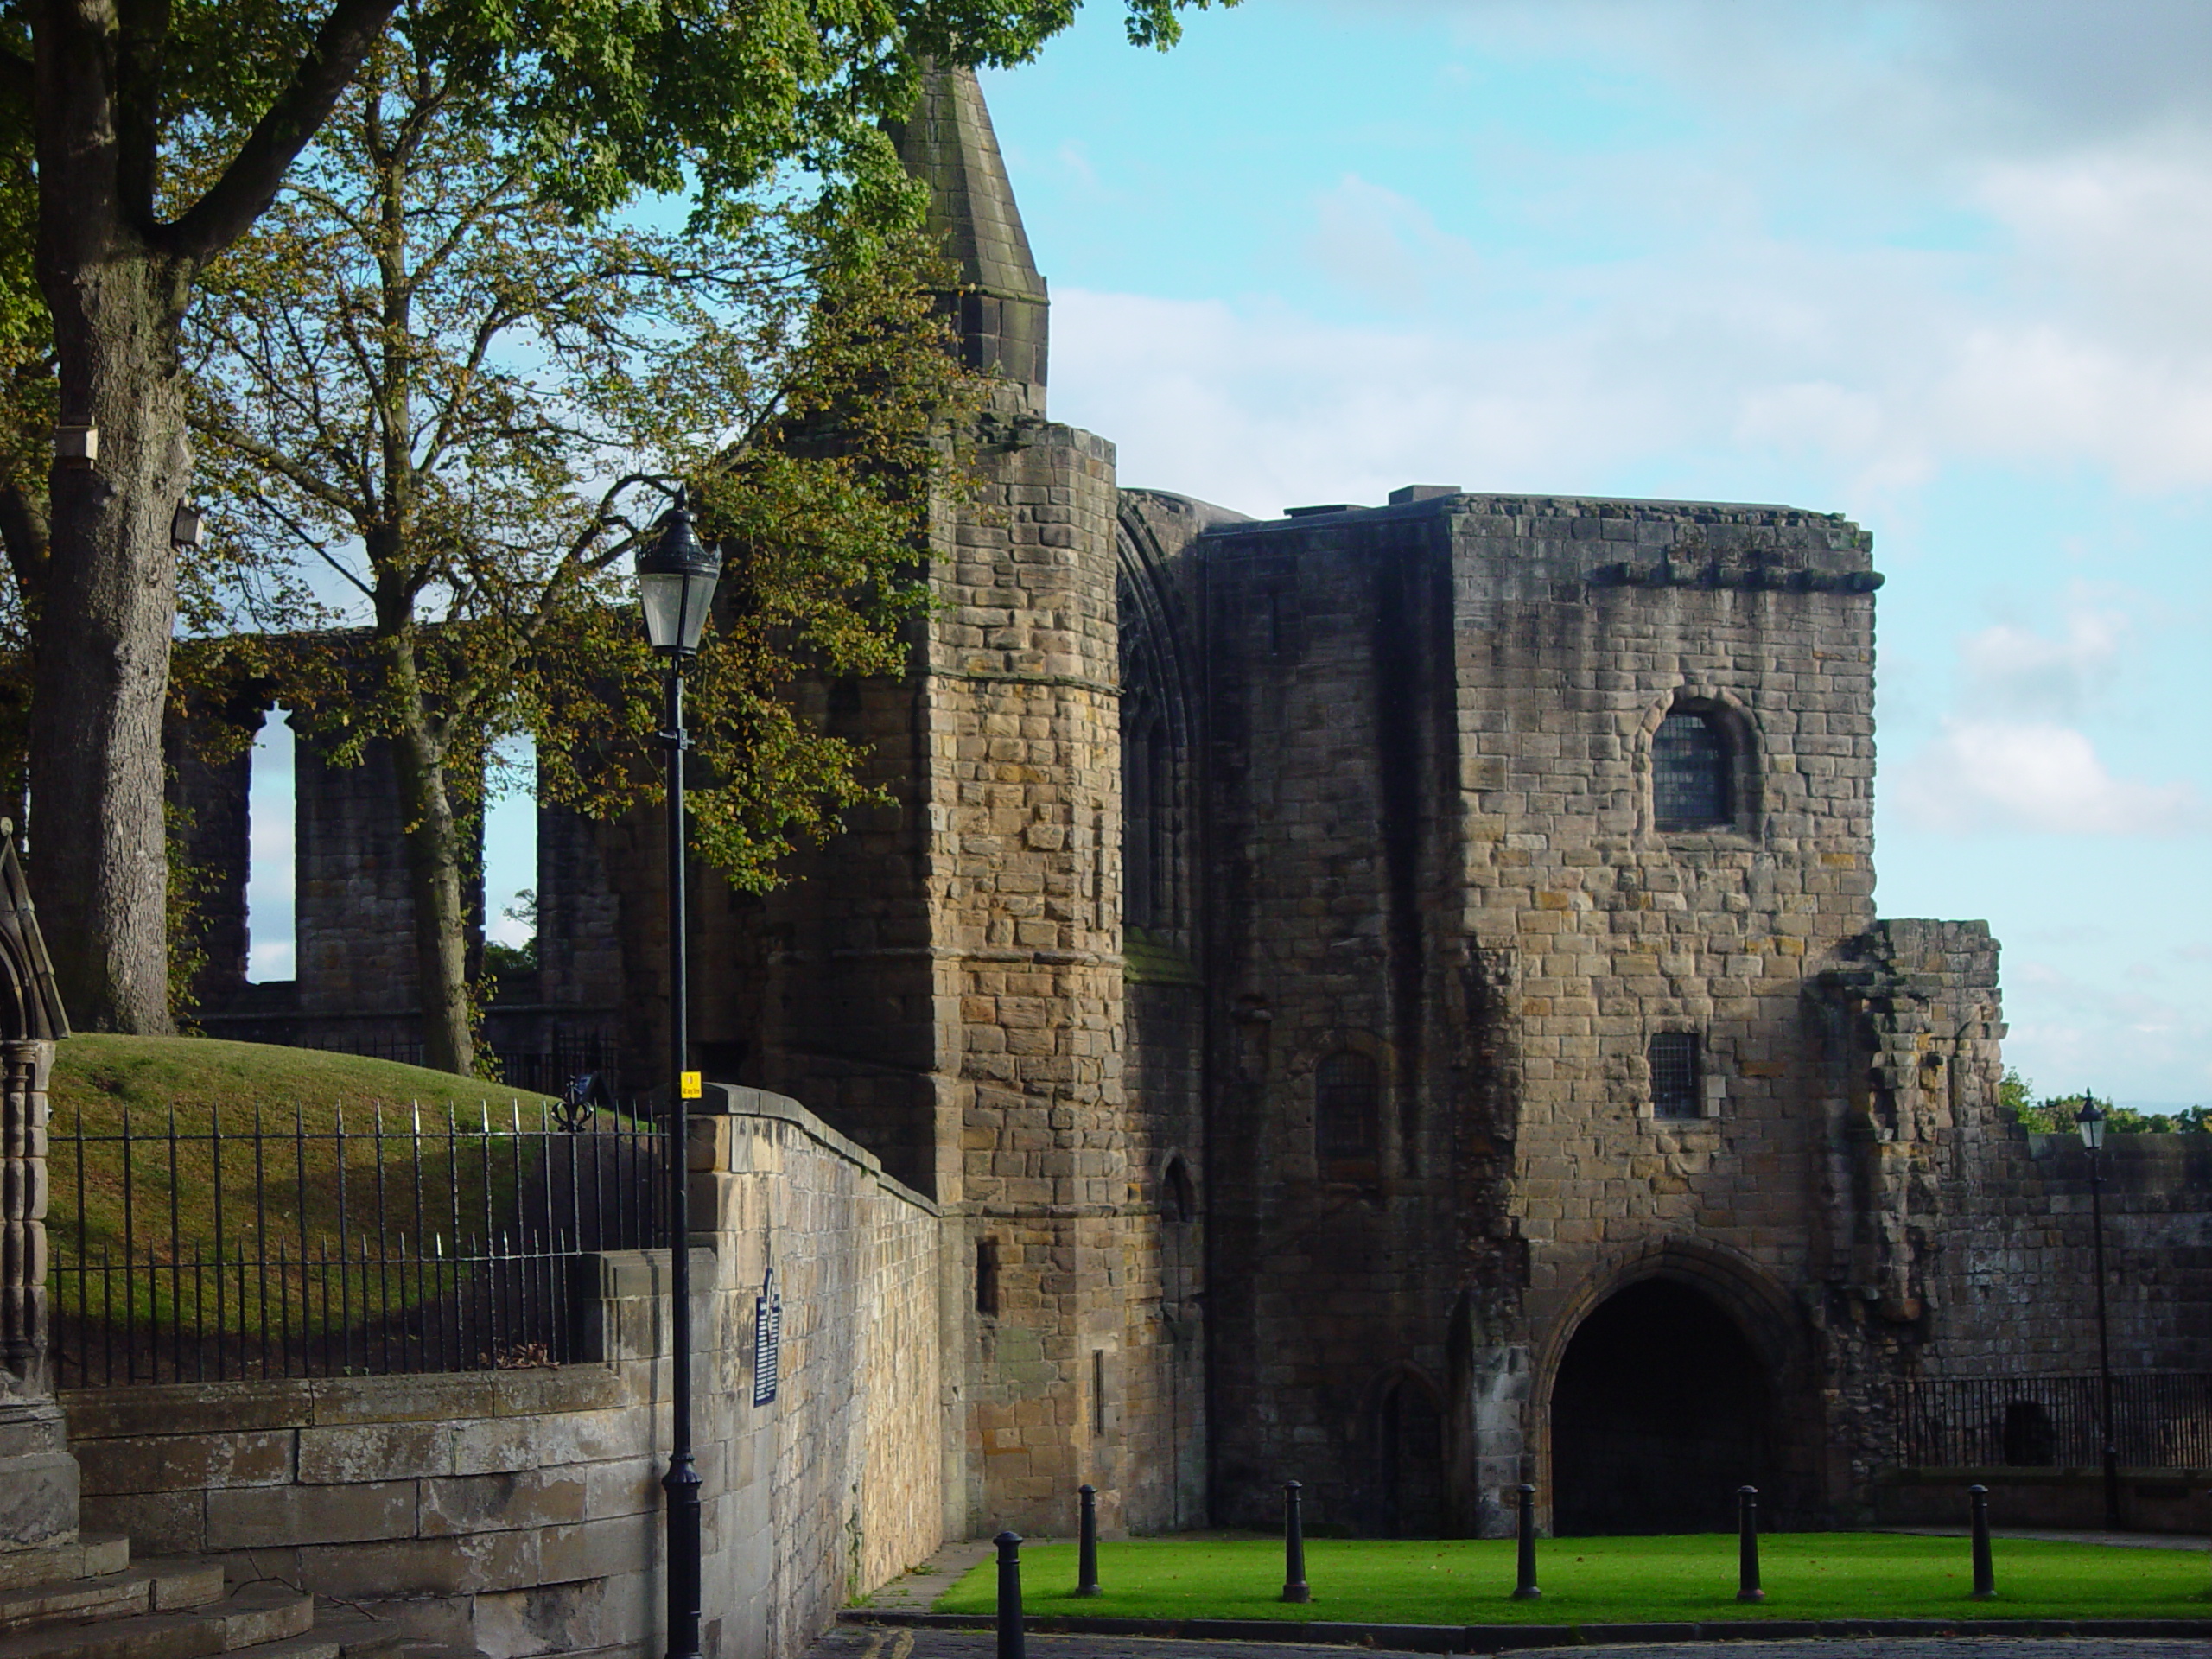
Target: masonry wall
{"x":1581,"y":625}
{"x":519,"y":1512}
{"x":1333,"y":821}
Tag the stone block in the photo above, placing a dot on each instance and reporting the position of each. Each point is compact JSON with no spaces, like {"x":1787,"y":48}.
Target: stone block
{"x":188,"y":1462}
{"x":275,"y":1516}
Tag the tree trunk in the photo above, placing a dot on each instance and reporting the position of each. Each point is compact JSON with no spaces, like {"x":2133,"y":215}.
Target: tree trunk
{"x":433,"y":879}
{"x":99,"y":839}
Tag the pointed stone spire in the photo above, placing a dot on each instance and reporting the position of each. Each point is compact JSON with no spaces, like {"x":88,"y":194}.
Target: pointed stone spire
{"x":1001,"y":307}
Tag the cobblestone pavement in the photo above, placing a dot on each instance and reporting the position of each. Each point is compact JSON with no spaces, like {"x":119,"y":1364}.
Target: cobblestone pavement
{"x":864,"y":1642}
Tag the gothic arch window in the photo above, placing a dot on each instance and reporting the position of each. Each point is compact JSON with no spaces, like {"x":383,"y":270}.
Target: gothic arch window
{"x":1348,"y":1116}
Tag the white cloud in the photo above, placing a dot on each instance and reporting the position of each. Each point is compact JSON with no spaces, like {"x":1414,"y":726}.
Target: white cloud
{"x":2011,"y":671}
{"x":1981,"y":775}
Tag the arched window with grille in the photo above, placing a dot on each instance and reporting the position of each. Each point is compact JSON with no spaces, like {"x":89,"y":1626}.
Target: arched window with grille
{"x":1693,"y":773}
{"x":1347,"y":1116}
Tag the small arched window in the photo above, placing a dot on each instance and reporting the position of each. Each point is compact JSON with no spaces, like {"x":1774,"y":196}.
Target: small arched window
{"x":1178,"y":1199}
{"x":1692,"y":777}
{"x":1347,"y":1115}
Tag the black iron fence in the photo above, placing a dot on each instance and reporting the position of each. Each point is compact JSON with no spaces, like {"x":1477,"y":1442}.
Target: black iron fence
{"x":2160,"y":1419}
{"x":199,"y":1247}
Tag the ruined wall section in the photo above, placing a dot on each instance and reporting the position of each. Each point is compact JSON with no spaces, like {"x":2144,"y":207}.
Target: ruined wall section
{"x":1580,"y":625}
{"x":1964,"y":1244}
{"x":1334,"y":964}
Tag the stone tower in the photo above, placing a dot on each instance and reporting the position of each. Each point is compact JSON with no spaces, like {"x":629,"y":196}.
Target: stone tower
{"x":944,"y":983}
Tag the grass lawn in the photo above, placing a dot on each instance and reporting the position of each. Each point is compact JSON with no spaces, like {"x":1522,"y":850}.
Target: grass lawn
{"x":1602,"y":1580}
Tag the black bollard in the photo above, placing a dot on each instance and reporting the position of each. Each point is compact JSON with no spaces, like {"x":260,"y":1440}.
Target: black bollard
{"x":1526,"y":1589}
{"x":1293,"y":1545}
{"x":1747,"y":1545}
{"x":1985,"y":1575}
{"x":1011,"y":1645}
{"x":1086,"y":1546}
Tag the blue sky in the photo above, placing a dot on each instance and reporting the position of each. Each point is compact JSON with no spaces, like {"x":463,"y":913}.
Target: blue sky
{"x":1939,"y":266}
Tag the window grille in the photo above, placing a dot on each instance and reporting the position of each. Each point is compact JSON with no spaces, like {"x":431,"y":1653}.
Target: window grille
{"x":1347,"y":1109}
{"x":1689,"y":773}
{"x":1675,"y":1080}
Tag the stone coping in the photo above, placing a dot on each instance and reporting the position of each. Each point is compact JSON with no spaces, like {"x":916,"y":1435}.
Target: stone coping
{"x":738,"y":1100}
{"x":1500,"y":1638}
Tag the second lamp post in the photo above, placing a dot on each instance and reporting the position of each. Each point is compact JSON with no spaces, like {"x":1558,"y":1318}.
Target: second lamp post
{"x":2090,"y":1120}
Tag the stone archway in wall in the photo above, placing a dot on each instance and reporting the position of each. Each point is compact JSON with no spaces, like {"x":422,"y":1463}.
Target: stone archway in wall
{"x":1402,"y":1449}
{"x":1660,"y":1409}
{"x":1672,"y":1379}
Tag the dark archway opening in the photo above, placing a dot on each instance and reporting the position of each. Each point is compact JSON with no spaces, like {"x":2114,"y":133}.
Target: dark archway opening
{"x":1661,"y":1411}
{"x":1408,"y":1440}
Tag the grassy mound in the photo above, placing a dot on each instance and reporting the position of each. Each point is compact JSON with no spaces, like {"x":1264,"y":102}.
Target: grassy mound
{"x":1604,"y":1580}
{"x":98,"y":1077}
{"x":234,"y":1156}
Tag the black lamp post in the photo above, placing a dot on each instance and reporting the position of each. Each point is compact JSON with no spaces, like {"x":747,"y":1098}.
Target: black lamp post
{"x":676,"y":581}
{"x":2090,"y":1120}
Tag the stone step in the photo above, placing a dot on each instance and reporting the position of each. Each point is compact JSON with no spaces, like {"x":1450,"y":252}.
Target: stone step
{"x":357,"y":1636}
{"x":93,"y":1555}
{"x":153,"y":1587}
{"x":252,"y":1616}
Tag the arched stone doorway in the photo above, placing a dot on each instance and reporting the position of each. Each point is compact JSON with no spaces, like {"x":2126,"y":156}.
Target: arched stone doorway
{"x":1405,"y":1430}
{"x":1662,"y":1407}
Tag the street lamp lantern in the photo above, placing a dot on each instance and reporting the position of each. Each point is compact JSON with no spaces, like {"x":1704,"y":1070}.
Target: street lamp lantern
{"x":2090,"y":1121}
{"x":677,"y":575}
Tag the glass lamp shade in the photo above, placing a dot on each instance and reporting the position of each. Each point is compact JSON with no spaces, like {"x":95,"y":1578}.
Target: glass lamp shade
{"x":676,"y":581}
{"x":2090,"y":1120}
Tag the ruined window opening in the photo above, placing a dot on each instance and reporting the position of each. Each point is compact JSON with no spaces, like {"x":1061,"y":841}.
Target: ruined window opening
{"x":1144,"y":826}
{"x":271,"y":879}
{"x":1690,"y":772}
{"x":511,"y":877}
{"x":1676,"y":1084}
{"x":1347,"y":1115}
{"x":1097,"y":1391}
{"x":987,"y":1276}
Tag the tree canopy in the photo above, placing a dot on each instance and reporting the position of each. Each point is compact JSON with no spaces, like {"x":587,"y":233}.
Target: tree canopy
{"x":422,"y":381}
{"x":706,"y":99}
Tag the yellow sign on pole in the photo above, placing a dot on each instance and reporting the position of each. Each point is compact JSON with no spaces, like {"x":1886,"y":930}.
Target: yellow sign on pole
{"x":692,"y":1088}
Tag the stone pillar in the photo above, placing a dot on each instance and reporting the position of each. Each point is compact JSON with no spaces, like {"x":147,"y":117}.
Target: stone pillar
{"x":38,"y":1478}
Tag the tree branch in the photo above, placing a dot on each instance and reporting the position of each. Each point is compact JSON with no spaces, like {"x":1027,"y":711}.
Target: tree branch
{"x":257,"y":171}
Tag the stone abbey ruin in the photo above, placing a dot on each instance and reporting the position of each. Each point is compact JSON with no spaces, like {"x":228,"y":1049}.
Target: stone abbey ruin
{"x":1388,"y":996}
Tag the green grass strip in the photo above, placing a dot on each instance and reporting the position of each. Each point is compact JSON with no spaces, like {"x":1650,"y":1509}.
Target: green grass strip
{"x":1604,"y":1580}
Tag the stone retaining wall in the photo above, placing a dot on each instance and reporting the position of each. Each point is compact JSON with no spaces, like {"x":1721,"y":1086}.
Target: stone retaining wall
{"x":519,"y":1512}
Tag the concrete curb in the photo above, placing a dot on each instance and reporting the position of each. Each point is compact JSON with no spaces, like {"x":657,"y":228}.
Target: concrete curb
{"x":1500,"y":1638}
